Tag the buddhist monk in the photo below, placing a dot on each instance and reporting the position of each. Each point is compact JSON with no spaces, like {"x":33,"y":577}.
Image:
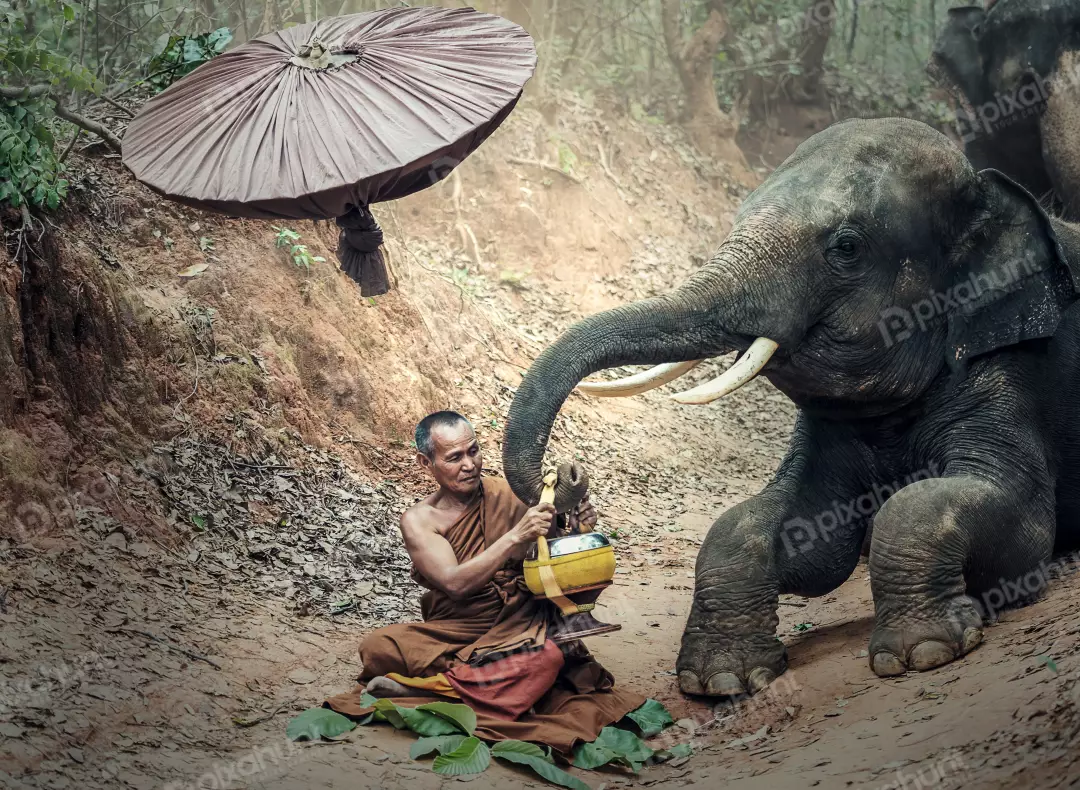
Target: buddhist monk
{"x":485,"y":639}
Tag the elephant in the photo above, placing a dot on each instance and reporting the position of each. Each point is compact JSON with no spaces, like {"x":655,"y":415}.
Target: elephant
{"x":920,"y":313}
{"x":1015,"y":73}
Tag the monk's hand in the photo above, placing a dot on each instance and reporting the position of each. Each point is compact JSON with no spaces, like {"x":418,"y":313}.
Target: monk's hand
{"x":584,"y":515}
{"x":535,"y":523}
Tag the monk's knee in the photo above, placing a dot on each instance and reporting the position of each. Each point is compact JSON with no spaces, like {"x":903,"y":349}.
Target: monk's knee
{"x":380,"y":652}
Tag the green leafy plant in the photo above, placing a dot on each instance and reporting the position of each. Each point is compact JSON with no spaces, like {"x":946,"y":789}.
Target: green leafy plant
{"x":316,"y":723}
{"x":301,"y":257}
{"x":34,"y":68}
{"x":472,"y":756}
{"x":1049,"y":663}
{"x":461,"y":716}
{"x":175,"y":56}
{"x":29,"y":169}
{"x":541,"y":763}
{"x":614,"y":745}
{"x":443,"y":744}
{"x":448,"y":731}
{"x":652,"y":718}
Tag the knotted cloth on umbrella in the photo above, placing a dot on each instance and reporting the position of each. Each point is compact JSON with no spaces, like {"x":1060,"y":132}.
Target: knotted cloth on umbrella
{"x":324,"y":119}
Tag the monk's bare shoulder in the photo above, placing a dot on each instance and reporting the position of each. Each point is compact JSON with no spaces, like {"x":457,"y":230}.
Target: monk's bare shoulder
{"x":418,"y":518}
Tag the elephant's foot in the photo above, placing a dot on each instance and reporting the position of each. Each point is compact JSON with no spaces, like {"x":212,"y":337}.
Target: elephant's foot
{"x":923,"y":641}
{"x":716,"y":666}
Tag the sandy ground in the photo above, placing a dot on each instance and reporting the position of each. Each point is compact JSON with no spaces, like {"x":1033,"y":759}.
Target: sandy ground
{"x":105,"y":706}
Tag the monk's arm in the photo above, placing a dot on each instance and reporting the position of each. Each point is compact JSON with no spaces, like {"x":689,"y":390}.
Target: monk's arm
{"x":434,"y":557}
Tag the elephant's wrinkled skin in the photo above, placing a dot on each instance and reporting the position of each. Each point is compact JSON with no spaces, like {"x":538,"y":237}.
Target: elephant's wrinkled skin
{"x":1013,"y":71}
{"x":868,"y":221}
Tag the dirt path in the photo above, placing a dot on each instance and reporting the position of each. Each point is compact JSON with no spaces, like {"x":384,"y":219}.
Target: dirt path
{"x":103,"y":705}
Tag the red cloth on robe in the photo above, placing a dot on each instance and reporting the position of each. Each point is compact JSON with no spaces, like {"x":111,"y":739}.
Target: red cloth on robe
{"x":508,"y":687}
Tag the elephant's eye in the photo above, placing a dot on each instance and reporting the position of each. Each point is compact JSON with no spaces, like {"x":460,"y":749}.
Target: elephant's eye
{"x":845,"y":248}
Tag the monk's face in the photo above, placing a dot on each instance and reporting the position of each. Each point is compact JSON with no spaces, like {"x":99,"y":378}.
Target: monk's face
{"x":456,"y":460}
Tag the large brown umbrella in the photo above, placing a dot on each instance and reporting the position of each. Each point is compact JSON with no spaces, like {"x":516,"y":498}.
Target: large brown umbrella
{"x":324,"y":119}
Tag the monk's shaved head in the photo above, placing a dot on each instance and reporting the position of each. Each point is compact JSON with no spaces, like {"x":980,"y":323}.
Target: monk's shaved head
{"x":425,"y":445}
{"x":447,"y":449}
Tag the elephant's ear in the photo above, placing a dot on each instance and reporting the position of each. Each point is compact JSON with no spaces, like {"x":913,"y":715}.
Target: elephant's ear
{"x":1013,"y":281}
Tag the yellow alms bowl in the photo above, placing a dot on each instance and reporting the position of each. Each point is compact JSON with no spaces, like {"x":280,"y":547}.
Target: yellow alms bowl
{"x":577,"y":561}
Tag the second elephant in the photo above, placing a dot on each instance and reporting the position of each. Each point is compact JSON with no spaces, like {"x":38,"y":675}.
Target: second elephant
{"x":1015,"y":73}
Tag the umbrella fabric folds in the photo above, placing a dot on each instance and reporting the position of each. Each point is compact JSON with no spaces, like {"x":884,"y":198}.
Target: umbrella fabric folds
{"x":324,"y":119}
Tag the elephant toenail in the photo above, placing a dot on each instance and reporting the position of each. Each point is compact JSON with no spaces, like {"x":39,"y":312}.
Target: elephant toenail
{"x":886,"y":665}
{"x":689,"y":683}
{"x":930,"y":654}
{"x":972,"y":638}
{"x":724,"y":684}
{"x":759,"y":679}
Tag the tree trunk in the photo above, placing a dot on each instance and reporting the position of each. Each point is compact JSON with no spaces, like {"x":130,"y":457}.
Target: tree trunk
{"x":711,"y":130}
{"x":818,"y":27}
{"x":207,"y":12}
{"x":854,"y":28}
{"x":270,"y":21}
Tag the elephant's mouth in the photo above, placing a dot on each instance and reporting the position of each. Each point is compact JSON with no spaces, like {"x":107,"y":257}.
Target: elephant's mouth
{"x":754,"y":355}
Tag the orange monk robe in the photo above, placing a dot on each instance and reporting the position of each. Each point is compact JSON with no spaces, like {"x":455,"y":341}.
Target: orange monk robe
{"x":491,"y":650}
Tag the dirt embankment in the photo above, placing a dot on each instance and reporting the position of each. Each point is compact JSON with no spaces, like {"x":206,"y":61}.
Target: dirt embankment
{"x":104,"y":349}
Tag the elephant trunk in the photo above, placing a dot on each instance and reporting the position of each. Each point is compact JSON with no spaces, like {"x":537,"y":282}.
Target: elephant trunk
{"x":677,"y":327}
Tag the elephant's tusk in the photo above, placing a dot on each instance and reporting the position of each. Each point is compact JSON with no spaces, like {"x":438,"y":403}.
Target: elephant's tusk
{"x":744,"y":369}
{"x":639,"y":382}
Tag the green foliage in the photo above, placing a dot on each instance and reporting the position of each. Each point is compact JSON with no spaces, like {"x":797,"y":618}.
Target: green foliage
{"x":37,"y":55}
{"x":431,"y":720}
{"x":472,"y":757}
{"x":426,"y":723}
{"x":873,"y":94}
{"x":679,"y":750}
{"x":652,"y":718}
{"x":443,"y":744}
{"x":33,"y":58}
{"x":461,"y":716}
{"x":29,"y":169}
{"x":447,"y":729}
{"x":298,"y":252}
{"x":541,"y":763}
{"x":874,"y":64}
{"x":614,"y":745}
{"x":316,"y":723}
{"x":175,"y":56}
